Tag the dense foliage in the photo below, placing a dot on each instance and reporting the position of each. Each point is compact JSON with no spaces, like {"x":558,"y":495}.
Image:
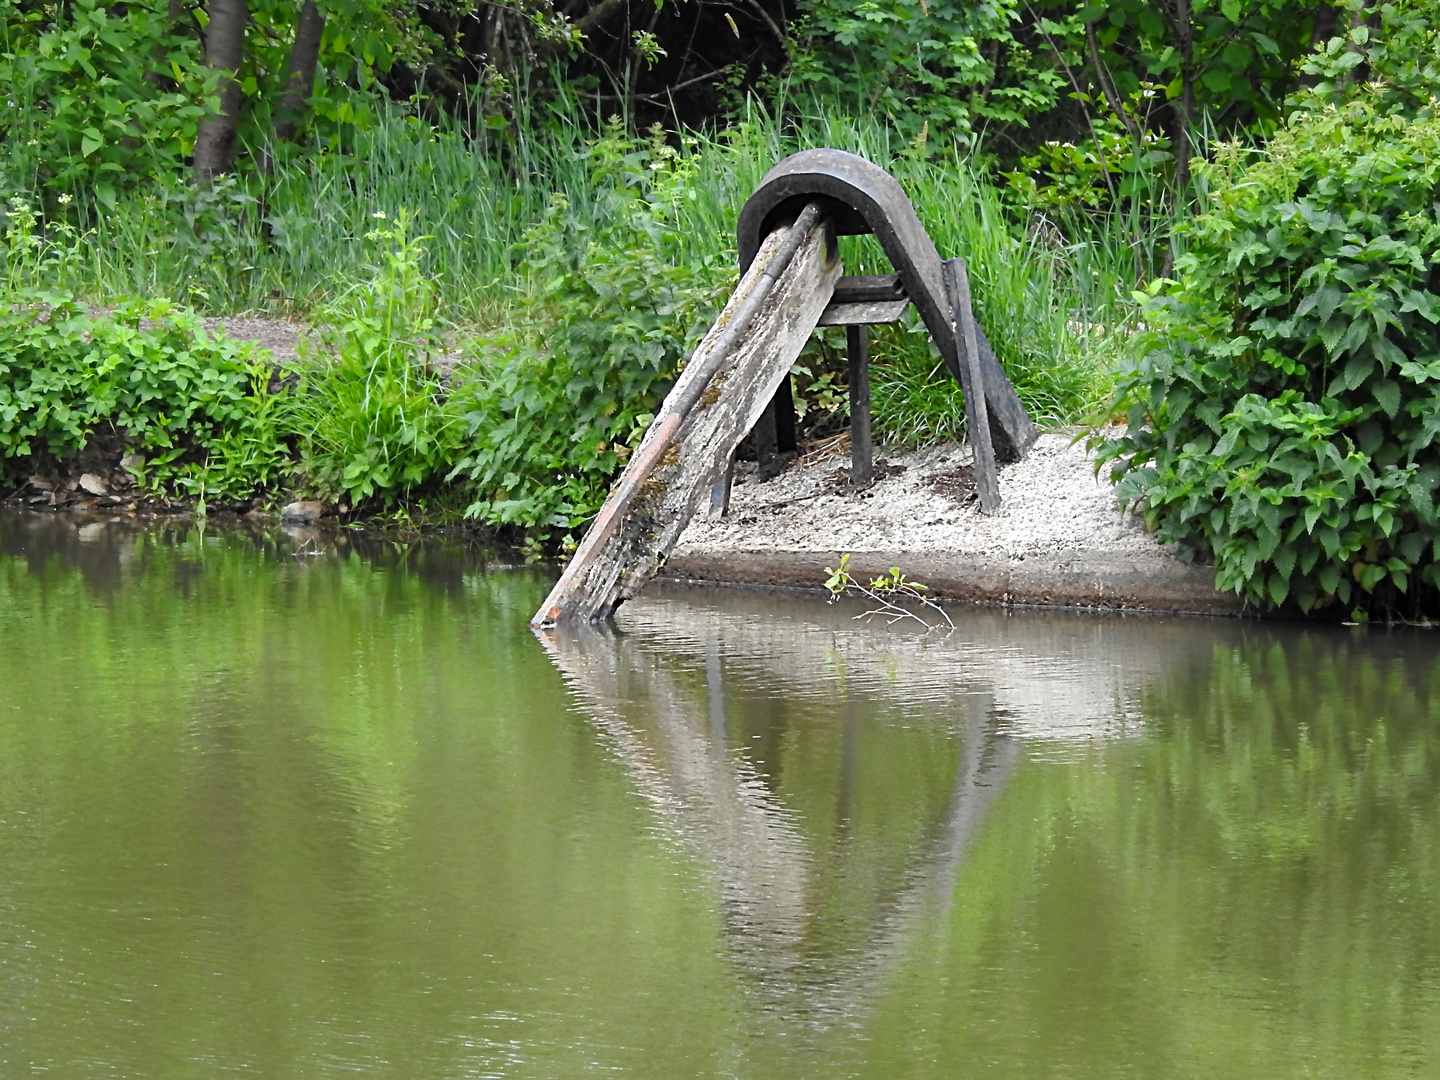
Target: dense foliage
{"x":192,"y":411}
{"x":558,"y":402}
{"x":508,"y":280}
{"x":506,"y":371}
{"x":87,"y":109}
{"x":944,"y":64}
{"x":106,"y":96}
{"x":1288,"y":402}
{"x":370,"y":415}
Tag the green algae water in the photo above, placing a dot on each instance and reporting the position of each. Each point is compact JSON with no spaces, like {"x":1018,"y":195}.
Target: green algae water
{"x":299,"y":806}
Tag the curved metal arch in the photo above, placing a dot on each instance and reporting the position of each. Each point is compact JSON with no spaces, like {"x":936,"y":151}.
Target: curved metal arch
{"x":860,"y":197}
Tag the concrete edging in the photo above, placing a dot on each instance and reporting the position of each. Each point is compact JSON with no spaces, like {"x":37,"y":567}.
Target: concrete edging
{"x":1073,"y":579}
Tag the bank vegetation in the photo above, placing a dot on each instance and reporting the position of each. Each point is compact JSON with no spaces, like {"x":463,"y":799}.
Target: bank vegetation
{"x":508,"y":224}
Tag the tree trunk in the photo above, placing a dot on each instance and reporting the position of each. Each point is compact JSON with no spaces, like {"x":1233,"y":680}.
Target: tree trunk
{"x":224,"y":48}
{"x":1184,"y":106}
{"x":300,"y":73}
{"x":1183,"y":111}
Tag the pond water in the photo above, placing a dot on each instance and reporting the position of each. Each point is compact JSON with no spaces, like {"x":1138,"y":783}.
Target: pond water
{"x":303,"y":806}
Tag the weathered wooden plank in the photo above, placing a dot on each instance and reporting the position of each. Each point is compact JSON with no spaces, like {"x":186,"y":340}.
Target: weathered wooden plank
{"x":744,"y":385}
{"x":716,"y":401}
{"x":864,"y":312}
{"x":862,"y":198}
{"x":972,"y":379}
{"x":860,"y":288}
{"x":1011,"y":431}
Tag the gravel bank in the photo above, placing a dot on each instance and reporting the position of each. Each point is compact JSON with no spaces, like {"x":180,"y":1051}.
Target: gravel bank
{"x":1051,"y":502}
{"x":281,"y":337}
{"x":1060,"y":538}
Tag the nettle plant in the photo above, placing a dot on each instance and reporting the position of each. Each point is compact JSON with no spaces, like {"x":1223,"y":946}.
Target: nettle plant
{"x":370,"y":408}
{"x":1285,"y":412}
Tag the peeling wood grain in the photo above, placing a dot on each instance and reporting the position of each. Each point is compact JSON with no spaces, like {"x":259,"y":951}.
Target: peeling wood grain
{"x":647,"y":526}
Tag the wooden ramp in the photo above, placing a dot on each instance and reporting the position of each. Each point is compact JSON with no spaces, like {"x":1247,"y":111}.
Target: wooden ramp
{"x":718,"y":398}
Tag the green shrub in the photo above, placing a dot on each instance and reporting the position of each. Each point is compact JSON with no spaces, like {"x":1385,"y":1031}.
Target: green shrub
{"x":195,"y":406}
{"x":1286,"y":409}
{"x":370,"y":411}
{"x":946,"y":66}
{"x":557,"y":402}
{"x":97,"y":98}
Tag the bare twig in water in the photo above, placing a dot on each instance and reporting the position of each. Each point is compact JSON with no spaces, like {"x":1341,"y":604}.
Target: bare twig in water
{"x":888,"y":591}
{"x":310,"y":547}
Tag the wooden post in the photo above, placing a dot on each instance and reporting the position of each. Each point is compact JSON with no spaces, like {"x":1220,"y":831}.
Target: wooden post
{"x":720,"y":493}
{"x":767,"y":448}
{"x":977,"y":416}
{"x":862,"y":465}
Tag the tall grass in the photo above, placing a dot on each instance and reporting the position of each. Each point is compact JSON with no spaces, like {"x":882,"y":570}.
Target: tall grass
{"x":524,"y":275}
{"x":1048,"y":293}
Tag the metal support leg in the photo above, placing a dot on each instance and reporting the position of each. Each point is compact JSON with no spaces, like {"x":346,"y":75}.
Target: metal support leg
{"x":767,"y":454}
{"x":786,"y":421}
{"x":862,"y":465}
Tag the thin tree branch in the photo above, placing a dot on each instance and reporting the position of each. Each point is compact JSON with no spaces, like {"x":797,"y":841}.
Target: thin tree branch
{"x":1080,"y":97}
{"x":598,"y":14}
{"x":1102,"y":76}
{"x":658,"y":99}
{"x":690,"y":44}
{"x":774,"y":28}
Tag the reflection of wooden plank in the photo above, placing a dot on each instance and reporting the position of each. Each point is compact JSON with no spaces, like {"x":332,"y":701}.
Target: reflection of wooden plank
{"x":864,"y":313}
{"x":774,"y":888}
{"x":666,"y":737}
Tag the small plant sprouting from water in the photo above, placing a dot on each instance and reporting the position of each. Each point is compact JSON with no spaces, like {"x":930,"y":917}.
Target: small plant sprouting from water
{"x":890,"y":592}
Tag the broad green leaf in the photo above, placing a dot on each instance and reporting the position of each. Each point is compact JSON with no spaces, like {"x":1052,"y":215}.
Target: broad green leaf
{"x":1216,"y":80}
{"x":1279,"y":588}
{"x":1387,"y":393}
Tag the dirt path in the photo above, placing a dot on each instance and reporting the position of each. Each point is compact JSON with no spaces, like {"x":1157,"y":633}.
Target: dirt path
{"x":280,"y":336}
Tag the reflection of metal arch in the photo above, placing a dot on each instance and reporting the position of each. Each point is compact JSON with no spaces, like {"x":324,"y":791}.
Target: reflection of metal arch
{"x":860,"y":197}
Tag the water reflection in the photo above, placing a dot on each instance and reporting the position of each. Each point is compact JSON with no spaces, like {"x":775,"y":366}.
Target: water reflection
{"x":731,"y":710}
{"x":309,"y":814}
